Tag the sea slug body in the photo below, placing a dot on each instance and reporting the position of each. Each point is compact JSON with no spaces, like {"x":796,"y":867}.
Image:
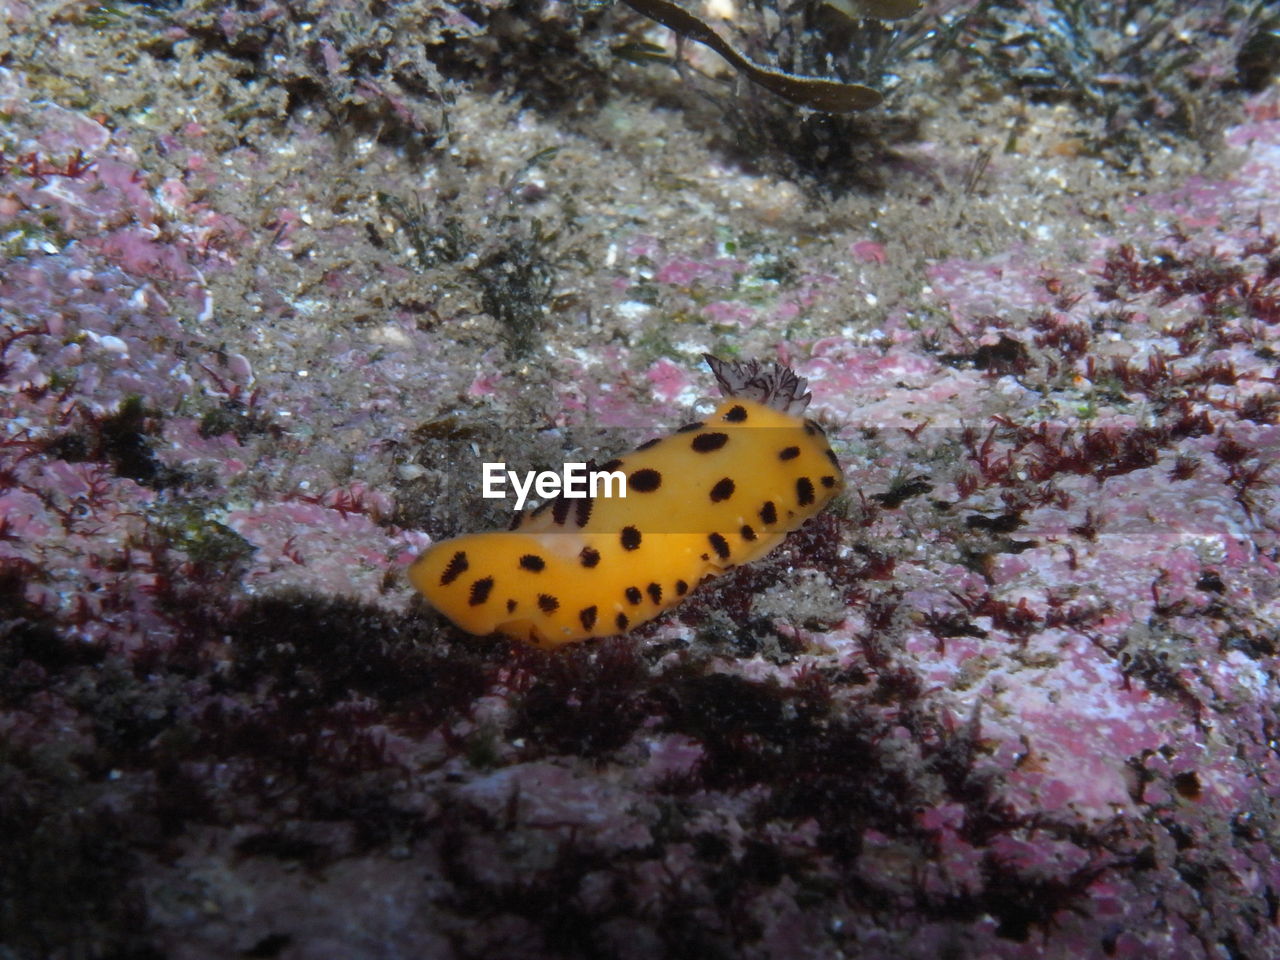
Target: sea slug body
{"x":713,"y":495}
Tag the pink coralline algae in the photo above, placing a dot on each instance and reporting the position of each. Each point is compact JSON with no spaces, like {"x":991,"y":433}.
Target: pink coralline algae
{"x":337,"y":539}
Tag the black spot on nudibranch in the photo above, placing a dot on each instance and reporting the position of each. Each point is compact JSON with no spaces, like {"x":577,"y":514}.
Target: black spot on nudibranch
{"x":723,"y":490}
{"x":747,"y":532}
{"x":812,"y":429}
{"x":532,"y":562}
{"x":689,"y":427}
{"x":634,"y":596}
{"x":548,"y":603}
{"x":832,"y":457}
{"x":582,"y":512}
{"x":681,"y":588}
{"x":645,"y":481}
{"x":709,"y":442}
{"x":610,"y":466}
{"x":655,"y":592}
{"x":768,"y":514}
{"x":455,"y":568}
{"x":511,"y":606}
{"x":588,"y":617}
{"x":480,"y":591}
{"x":720,"y":545}
{"x":828,"y":482}
{"x":621,"y":621}
{"x":630,"y":538}
{"x":804,"y":491}
{"x":788,"y":453}
{"x":736,"y":414}
{"x":649,"y":443}
{"x":560,"y":510}
{"x":589,"y":557}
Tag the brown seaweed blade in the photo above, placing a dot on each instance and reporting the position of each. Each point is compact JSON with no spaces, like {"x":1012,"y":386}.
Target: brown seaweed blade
{"x":877,"y":9}
{"x":829,"y":96}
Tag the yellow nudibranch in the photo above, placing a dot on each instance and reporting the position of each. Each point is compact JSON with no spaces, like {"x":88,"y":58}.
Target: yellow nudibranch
{"x":713,"y":495}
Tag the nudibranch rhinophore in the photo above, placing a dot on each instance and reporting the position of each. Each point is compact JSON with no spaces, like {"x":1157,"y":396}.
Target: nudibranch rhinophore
{"x":712,"y":495}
